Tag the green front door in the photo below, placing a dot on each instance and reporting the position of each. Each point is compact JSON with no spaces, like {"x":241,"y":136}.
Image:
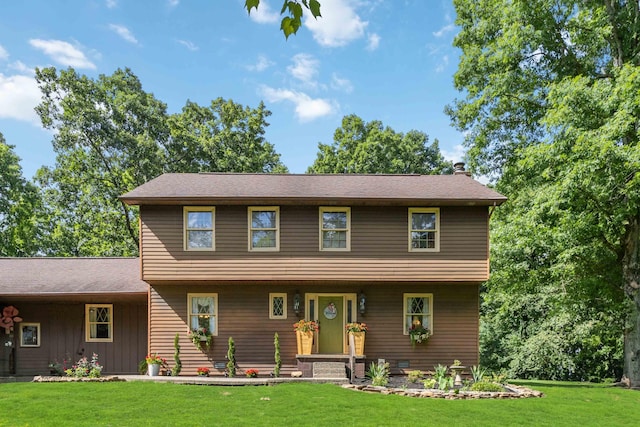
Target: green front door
{"x":331,"y":318}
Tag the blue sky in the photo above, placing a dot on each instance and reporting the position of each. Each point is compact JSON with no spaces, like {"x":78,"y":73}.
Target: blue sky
{"x":379,"y":59}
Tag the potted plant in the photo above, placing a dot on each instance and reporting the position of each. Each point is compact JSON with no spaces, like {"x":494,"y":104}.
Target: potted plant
{"x":200,"y":335}
{"x":418,"y":333}
{"x":304,"y":334}
{"x":202,"y":371}
{"x":154,"y":362}
{"x":251,"y":373}
{"x":358,"y":330}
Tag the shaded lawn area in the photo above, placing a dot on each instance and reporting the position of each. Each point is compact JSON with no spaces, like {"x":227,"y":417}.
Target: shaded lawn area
{"x":165,"y":404}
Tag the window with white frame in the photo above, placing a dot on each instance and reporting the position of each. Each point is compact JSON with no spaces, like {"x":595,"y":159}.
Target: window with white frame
{"x":199,"y":228}
{"x":335,"y":229}
{"x":424,"y":229}
{"x":203,"y":312}
{"x":418,"y":311}
{"x":264,"y":228}
{"x":99,"y":322}
{"x":277,"y":306}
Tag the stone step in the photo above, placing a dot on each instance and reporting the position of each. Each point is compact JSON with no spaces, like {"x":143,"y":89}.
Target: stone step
{"x":329,"y":370}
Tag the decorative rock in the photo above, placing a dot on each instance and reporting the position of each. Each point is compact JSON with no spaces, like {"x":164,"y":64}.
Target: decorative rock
{"x":296,"y":374}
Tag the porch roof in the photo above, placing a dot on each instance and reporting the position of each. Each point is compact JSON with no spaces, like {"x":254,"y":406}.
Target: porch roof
{"x":44,"y":276}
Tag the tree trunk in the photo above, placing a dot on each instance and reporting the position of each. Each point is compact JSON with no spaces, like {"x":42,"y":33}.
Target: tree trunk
{"x":631,"y":275}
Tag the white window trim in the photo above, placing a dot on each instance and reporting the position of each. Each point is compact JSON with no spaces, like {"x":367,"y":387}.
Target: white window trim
{"x":272,"y":296}
{"x":405,"y":310}
{"x":215,"y":310}
{"x":185,"y":229}
{"x":437,"y":230}
{"x":276,"y":209}
{"x":347,"y":210}
{"x":87,"y":325}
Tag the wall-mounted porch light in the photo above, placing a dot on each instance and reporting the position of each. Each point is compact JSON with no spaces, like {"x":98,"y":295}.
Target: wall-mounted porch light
{"x":297,"y":303}
{"x":362,"y":302}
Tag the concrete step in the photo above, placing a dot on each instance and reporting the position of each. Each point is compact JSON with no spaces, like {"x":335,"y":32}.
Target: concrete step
{"x":329,"y":370}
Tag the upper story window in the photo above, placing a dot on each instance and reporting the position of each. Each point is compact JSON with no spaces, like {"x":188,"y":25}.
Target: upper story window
{"x":199,"y":228}
{"x":418,"y":311}
{"x":203,"y":312}
{"x":264,"y":228}
{"x":99,"y":322}
{"x":424,"y":229}
{"x":335,"y":229}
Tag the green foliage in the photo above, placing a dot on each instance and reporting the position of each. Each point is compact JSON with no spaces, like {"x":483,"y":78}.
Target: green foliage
{"x":379,"y":374}
{"x":277,"y":358}
{"x":176,"y":356}
{"x":477,"y":373}
{"x":415,"y":376}
{"x":486,"y":386}
{"x":20,"y":207}
{"x":361,"y":147}
{"x":291,"y":23}
{"x":429,"y":383}
{"x":85,"y":368}
{"x":231,"y":359}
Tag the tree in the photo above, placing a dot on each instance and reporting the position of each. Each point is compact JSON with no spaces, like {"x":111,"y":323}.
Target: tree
{"x":552,"y":104}
{"x":112,"y":136}
{"x":361,"y":147}
{"x":290,"y":24}
{"x":19,"y":207}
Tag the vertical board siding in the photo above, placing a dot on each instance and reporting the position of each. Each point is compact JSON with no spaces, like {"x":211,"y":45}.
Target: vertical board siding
{"x":62,"y":336}
{"x":243,"y":315}
{"x":379,"y":247}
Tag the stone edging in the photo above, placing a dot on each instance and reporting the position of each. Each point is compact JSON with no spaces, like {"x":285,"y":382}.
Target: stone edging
{"x":512,"y":392}
{"x":64,"y":379}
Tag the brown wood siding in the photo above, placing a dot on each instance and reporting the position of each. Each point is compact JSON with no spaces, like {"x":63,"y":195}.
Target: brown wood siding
{"x":379,"y":248}
{"x":62,"y":329}
{"x":243,"y":315}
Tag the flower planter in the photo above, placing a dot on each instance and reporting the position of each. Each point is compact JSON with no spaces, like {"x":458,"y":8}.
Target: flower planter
{"x":153,"y":370}
{"x":304,"y":341}
{"x":358,"y":342}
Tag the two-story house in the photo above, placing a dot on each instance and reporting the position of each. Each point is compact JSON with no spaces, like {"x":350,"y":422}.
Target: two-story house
{"x":247,"y":255}
{"x":250,"y":254}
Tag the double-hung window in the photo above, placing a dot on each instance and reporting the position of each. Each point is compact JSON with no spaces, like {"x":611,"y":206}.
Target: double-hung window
{"x":264,"y":228}
{"x":99,"y":322}
{"x":418,"y":311}
{"x":335,"y":229}
{"x":199,"y":228}
{"x":203,"y":312}
{"x":424,"y":229}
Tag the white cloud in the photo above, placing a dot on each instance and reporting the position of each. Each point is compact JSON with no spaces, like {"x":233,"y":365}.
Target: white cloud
{"x":189,"y":45}
{"x":341,"y":84}
{"x":444,"y":30}
{"x":63,"y":53}
{"x":306,"y":108}
{"x":444,"y":61}
{"x":373,"y":42}
{"x":263,"y":14}
{"x":123,"y":32}
{"x":338,"y":25}
{"x":19,"y":94}
{"x":3,"y":53}
{"x":111,"y":3}
{"x":456,"y":154}
{"x":173,"y":3}
{"x":304,"y":68}
{"x":21,"y":67}
{"x":261,"y":64}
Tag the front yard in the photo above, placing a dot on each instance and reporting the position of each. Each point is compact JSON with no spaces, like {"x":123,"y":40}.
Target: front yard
{"x":302,"y":404}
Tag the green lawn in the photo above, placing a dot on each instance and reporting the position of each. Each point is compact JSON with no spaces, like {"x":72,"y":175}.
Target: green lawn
{"x":160,"y":404}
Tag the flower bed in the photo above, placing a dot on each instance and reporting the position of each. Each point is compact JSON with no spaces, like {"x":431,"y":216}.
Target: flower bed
{"x":511,"y":392}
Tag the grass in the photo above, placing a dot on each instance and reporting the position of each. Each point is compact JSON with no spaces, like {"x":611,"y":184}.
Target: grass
{"x":161,"y":404}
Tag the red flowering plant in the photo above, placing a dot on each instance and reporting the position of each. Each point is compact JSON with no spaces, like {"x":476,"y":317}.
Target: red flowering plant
{"x":306,"y":326}
{"x":154,"y":359}
{"x":202,"y":371}
{"x":200,"y":335}
{"x":251,"y":373}
{"x":356,"y":327}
